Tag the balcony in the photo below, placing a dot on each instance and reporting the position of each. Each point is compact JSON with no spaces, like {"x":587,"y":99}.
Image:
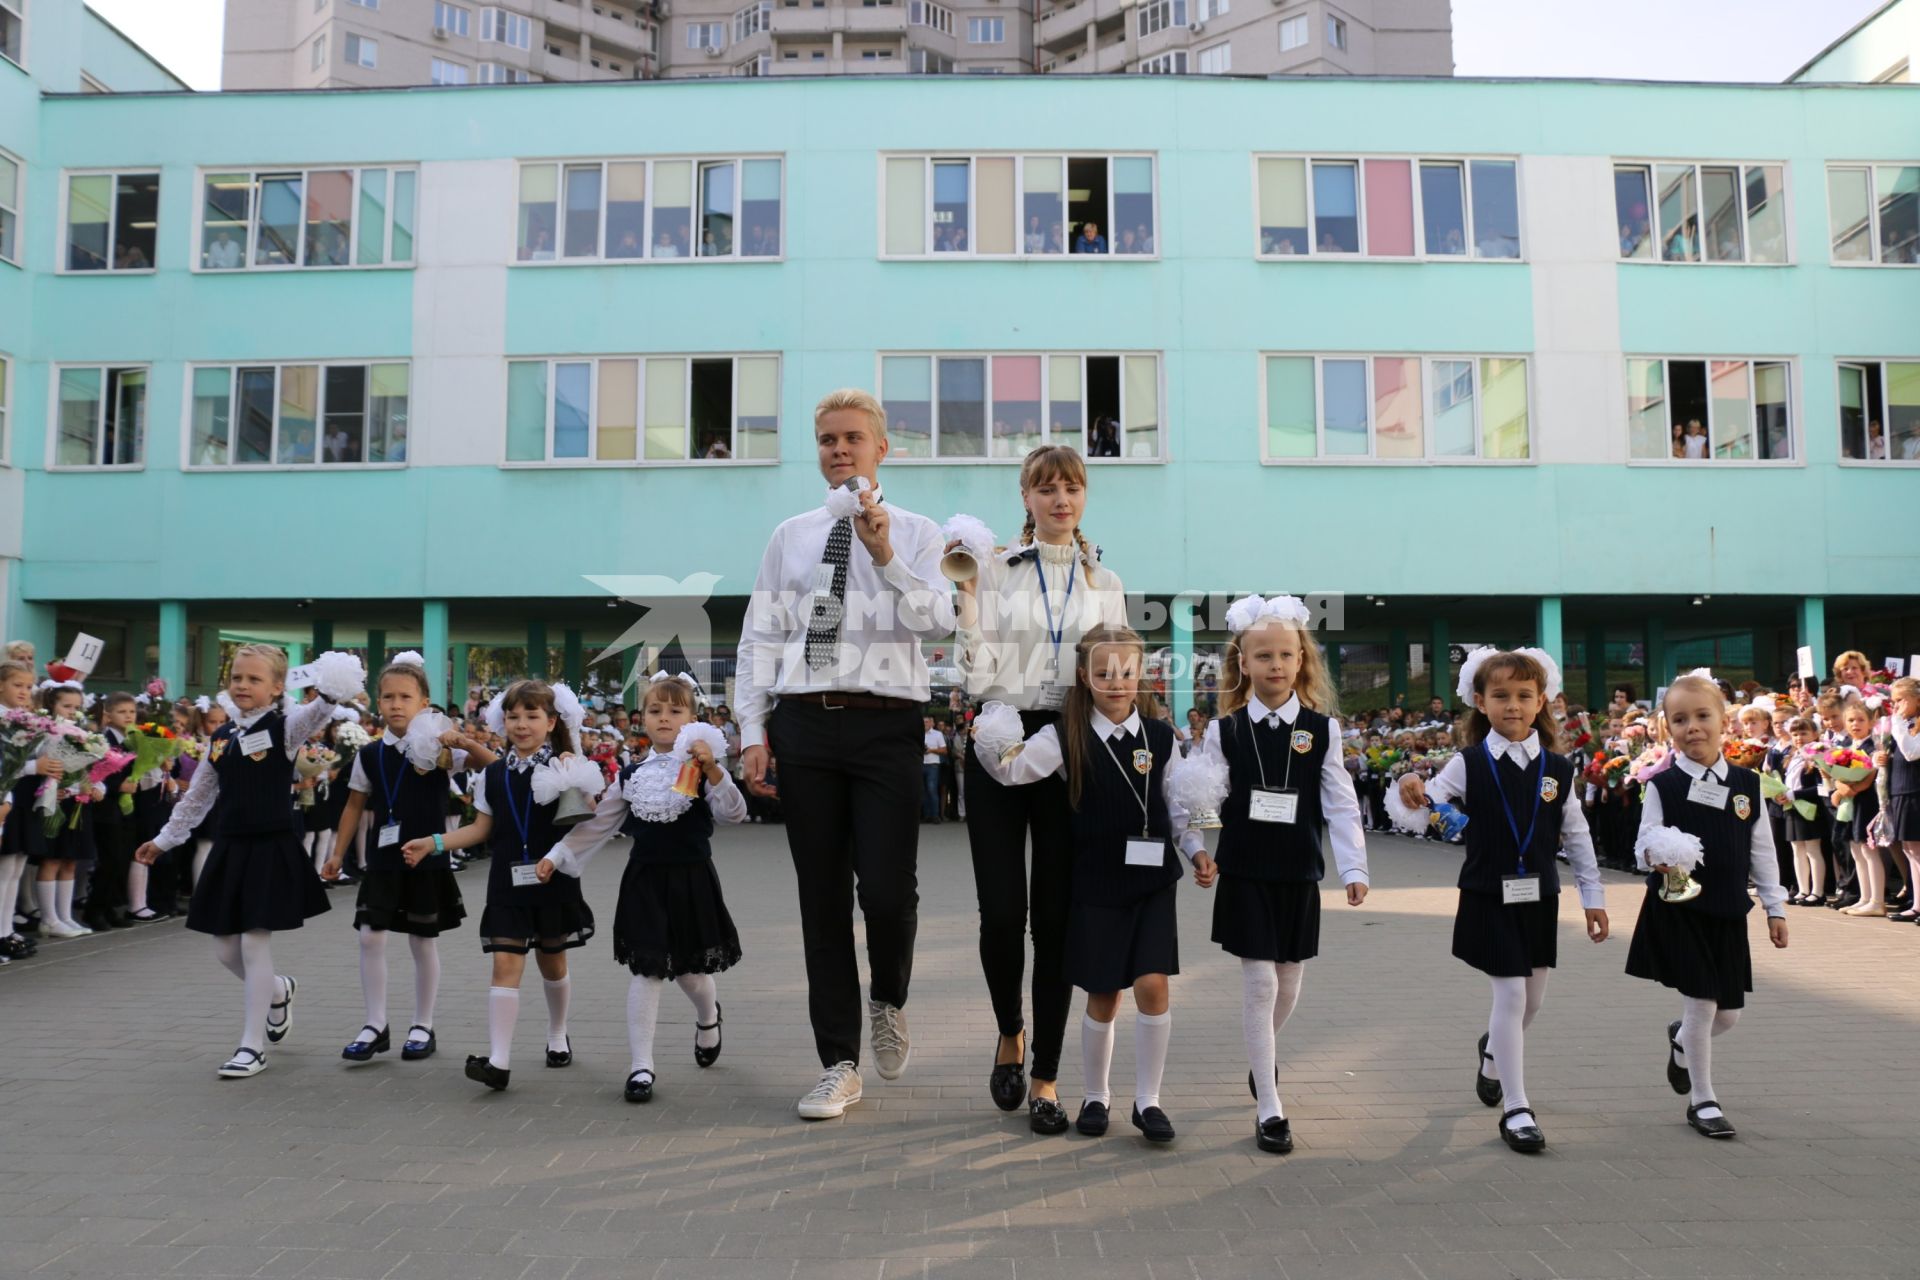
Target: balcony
{"x":1061,"y":25}
{"x":813,"y":25}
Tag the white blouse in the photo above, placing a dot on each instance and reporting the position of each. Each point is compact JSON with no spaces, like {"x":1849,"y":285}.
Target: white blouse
{"x":1006,"y":649}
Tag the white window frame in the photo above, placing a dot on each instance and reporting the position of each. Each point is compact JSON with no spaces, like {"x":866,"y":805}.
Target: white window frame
{"x":1171,"y":63}
{"x":1224,"y":49}
{"x":1420,"y":253}
{"x":255,"y":174}
{"x":1842,"y":363}
{"x":929,"y":158}
{"x":996,"y":26}
{"x":1650,"y":165}
{"x":1873,"y":212}
{"x":1208,"y":10}
{"x":600,"y":258}
{"x":500,"y":26}
{"x":703,"y":30}
{"x":63,"y":256}
{"x":6,"y":410}
{"x":1796,"y":434}
{"x":365,"y":44}
{"x":465,"y":76}
{"x":752,"y":20}
{"x":233,"y":368}
{"x":1337,"y":33}
{"x":19,"y":203}
{"x":500,"y":73}
{"x":105,"y":368}
{"x":459,"y":18}
{"x":18,"y":9}
{"x":1301,"y":22}
{"x":1045,"y":356}
{"x":926,"y":13}
{"x":592,"y":361}
{"x":1427,"y":359}
{"x":365,"y":4}
{"x":317,"y":56}
{"x":1161,"y":15}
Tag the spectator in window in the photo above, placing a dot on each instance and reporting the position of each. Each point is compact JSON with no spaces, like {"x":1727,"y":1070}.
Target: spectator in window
{"x":718,"y":449}
{"x":541,"y":249}
{"x":1143,"y":238}
{"x":224,"y":253}
{"x":130,"y":258}
{"x":1127,"y":243}
{"x":709,"y":246}
{"x":1628,"y":242}
{"x":1106,"y":438}
{"x":1036,"y":240}
{"x":682,"y":238}
{"x":1679,"y":442}
{"x":629,"y":246}
{"x":1054,"y":242}
{"x":1876,"y":441}
{"x":1696,"y":439}
{"x":1328,"y":244}
{"x":1456,"y":243}
{"x":1090,"y":240}
{"x":663,"y":247}
{"x":959,"y":244}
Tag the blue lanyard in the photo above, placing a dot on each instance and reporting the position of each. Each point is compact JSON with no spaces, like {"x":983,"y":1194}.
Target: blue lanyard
{"x":521,"y":823}
{"x":1056,"y":633}
{"x":1540,"y":772}
{"x":392,"y":789}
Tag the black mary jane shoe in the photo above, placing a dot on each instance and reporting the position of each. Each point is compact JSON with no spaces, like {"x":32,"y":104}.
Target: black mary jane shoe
{"x":561,"y":1057}
{"x":640,"y":1086}
{"x":361,"y":1051}
{"x":1045,"y":1116}
{"x":1488,"y":1090}
{"x":1008,"y":1083}
{"x":277,"y":1033}
{"x":1712,"y":1127}
{"x":1527,"y":1138}
{"x":481,"y":1070}
{"x":1274,"y":1135}
{"x":707,"y":1057}
{"x":1092,"y":1120}
{"x":1153,"y":1124}
{"x":1678,"y":1076}
{"x":146,"y":916}
{"x":415,"y":1049}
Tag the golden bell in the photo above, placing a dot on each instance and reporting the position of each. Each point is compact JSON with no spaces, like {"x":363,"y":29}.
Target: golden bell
{"x":1679,"y":886}
{"x":1204,"y":820}
{"x":687,"y":782}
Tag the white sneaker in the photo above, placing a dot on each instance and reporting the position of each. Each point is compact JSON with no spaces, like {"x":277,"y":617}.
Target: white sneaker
{"x":56,"y":929}
{"x":891,"y":1048}
{"x":839,"y":1088}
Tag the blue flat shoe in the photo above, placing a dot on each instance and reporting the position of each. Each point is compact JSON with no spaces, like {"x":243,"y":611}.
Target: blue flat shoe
{"x":360,"y":1052}
{"x":416,"y":1048}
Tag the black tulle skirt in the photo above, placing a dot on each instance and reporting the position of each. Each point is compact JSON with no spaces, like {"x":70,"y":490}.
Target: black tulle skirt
{"x":1276,"y":920}
{"x":423,"y":901}
{"x":256,"y":882}
{"x":672,"y":919}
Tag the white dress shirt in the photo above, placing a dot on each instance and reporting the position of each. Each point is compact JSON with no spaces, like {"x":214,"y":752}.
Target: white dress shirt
{"x":936,"y":742}
{"x":1043,"y":757}
{"x":1339,"y":802}
{"x":1766,"y":867}
{"x":889,"y":612}
{"x":585,"y":839}
{"x":1006,"y":650}
{"x":1906,"y":737}
{"x":1576,"y":840}
{"x":358,"y":780}
{"x":303,"y":720}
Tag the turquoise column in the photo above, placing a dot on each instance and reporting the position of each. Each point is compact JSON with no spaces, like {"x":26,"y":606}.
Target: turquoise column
{"x":1762,"y":657}
{"x":433,"y":646}
{"x":207,"y":674}
{"x":173,"y":646}
{"x":1396,"y":663}
{"x":1810,"y":625}
{"x":1596,"y":667}
{"x":537,"y":650}
{"x":1332,"y":650}
{"x":629,"y":668}
{"x":457,"y":693}
{"x":376,"y":651}
{"x":573,"y":659}
{"x":1441,"y":667}
{"x":1548,"y":632}
{"x":1180,"y":686}
{"x":1654,"y":642}
{"x":322,"y":635}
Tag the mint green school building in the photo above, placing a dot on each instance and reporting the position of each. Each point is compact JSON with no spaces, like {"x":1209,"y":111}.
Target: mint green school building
{"x":1631,"y":371}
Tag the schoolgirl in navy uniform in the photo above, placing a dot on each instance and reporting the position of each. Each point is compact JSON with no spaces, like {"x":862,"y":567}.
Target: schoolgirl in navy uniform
{"x":1289,"y":793}
{"x":1806,"y":835}
{"x":257,"y":879}
{"x":16,"y":810}
{"x":1900,"y":757}
{"x":56,"y":858}
{"x":1869,"y":869}
{"x":1699,"y":946}
{"x":1517,"y":793}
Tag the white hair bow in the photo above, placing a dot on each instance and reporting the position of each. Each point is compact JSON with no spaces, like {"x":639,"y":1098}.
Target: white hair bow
{"x":1481,"y":653}
{"x":680,"y":676}
{"x":1250,"y":611}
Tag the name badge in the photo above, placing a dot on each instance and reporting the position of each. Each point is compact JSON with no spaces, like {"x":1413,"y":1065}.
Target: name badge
{"x":1273,"y":806}
{"x":390,"y":834}
{"x":525,"y":874}
{"x":1708,"y":792}
{"x":1518,"y":889}
{"x":1146,"y":853}
{"x":1052,"y":696}
{"x":256,"y":742}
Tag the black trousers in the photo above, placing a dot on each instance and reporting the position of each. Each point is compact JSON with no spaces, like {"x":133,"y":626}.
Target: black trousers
{"x":113,"y":844}
{"x":999,"y":819}
{"x":850,"y":787}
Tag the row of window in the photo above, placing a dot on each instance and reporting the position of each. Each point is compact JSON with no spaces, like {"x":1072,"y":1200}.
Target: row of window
{"x":971,"y":406}
{"x":1019,"y":205}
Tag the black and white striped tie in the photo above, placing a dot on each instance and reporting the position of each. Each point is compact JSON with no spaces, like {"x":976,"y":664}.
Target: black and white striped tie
{"x":823,"y":627}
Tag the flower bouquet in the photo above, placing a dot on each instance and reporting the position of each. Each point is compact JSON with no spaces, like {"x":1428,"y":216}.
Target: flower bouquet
{"x":1748,"y":753}
{"x":350,"y":737}
{"x":1840,"y":764}
{"x":314,"y":761}
{"x":1772,"y":786}
{"x":21,"y":733}
{"x":1651,"y":761}
{"x":154,"y":747}
{"x":76,"y":752}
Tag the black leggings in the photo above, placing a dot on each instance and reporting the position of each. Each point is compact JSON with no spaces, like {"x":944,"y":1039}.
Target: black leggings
{"x":998,"y":820}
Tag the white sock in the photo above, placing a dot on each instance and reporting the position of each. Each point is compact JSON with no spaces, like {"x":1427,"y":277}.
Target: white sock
{"x":47,"y":893}
{"x":63,"y":903}
{"x":1096,"y":1057}
{"x":1151,"y":1034}
{"x":643,"y":1010}
{"x":373,"y":979}
{"x":705,"y":994}
{"x":426,"y":979}
{"x":137,"y":887}
{"x":263,"y":986}
{"x":1700,"y":1021}
{"x":503,"y":1009}
{"x":558,"y":992}
{"x":1506,"y":1041}
{"x":1259,"y":988}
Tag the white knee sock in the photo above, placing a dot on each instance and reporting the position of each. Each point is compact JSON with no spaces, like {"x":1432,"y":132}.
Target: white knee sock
{"x":1700,"y":1021}
{"x":63,"y":903}
{"x":1096,"y":1057}
{"x":47,"y":893}
{"x":705,"y":994}
{"x":503,"y":1009}
{"x":426,"y":979}
{"x":137,"y":887}
{"x":12,"y":867}
{"x":263,"y":986}
{"x":1506,"y":1041}
{"x":558,"y":992}
{"x":373,"y":980}
{"x":1259,"y":990}
{"x":643,"y":1010}
{"x":1151,"y":1034}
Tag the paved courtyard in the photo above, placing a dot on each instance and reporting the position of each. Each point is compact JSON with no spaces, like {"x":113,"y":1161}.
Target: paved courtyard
{"x":122,"y":1155}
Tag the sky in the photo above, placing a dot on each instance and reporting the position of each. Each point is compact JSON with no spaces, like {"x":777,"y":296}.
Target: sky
{"x":1751,"y":40}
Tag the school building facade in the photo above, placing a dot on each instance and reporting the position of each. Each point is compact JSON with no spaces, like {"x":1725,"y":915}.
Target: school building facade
{"x":449,"y":367}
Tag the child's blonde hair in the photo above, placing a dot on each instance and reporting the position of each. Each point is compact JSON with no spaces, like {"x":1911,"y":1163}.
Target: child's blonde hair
{"x":856,"y":399}
{"x":274,"y":656}
{"x":12,"y":667}
{"x":1702,"y":685}
{"x":1076,"y":718}
{"x":1904,"y":687}
{"x":1314,"y":684}
{"x":675,"y":693}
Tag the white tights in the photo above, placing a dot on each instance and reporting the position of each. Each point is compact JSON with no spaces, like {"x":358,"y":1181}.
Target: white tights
{"x":1268,"y":994}
{"x":320,"y":845}
{"x":1870,"y":871}
{"x":249,"y":957}
{"x":12,"y":867}
{"x":643,"y":1012}
{"x":1700,"y":1021}
{"x":1515,"y":1002}
{"x":373,"y":979}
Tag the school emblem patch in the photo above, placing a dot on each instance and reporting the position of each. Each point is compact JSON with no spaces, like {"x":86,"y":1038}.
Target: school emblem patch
{"x":1742,"y":808}
{"x":218,"y":749}
{"x":1143,"y":762}
{"x":1550,"y":789}
{"x":1303,"y":740}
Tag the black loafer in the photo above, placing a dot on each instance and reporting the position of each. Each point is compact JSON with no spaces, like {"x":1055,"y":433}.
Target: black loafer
{"x":561,"y":1057}
{"x":640,"y":1087}
{"x":1274,"y":1135}
{"x":481,"y":1070}
{"x":1153,"y":1124}
{"x":1046,"y":1117}
{"x":1487,"y":1090}
{"x":1092,"y":1120}
{"x":362,"y":1051}
{"x":1716,"y":1127}
{"x":707,"y":1057}
{"x":1527,"y":1138}
{"x":1678,"y":1076}
{"x":1008,"y":1085}
{"x":415,"y":1049}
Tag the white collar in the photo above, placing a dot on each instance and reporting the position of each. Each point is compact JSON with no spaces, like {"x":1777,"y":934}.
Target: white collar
{"x":516,"y":763}
{"x":1693,"y":770}
{"x":1498,"y":746}
{"x":1288,"y":711}
{"x":249,"y":719}
{"x":1104,"y":728}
